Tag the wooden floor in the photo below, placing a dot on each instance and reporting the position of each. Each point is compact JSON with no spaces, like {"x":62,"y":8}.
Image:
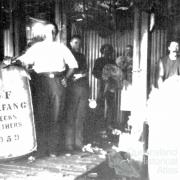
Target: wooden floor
{"x":78,"y":166}
{"x":75,"y":166}
{"x":63,"y":167}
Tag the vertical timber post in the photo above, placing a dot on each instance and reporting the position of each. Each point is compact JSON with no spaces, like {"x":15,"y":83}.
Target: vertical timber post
{"x":140,"y":68}
{"x":61,"y":19}
{"x":8,"y":34}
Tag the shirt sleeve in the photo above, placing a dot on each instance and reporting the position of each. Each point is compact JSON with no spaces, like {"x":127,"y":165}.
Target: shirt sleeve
{"x":29,"y":56}
{"x":68,"y":57}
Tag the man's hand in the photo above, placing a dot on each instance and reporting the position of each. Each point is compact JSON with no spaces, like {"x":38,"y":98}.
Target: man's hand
{"x":125,"y":84}
{"x":64,"y":82}
{"x":78,"y":76}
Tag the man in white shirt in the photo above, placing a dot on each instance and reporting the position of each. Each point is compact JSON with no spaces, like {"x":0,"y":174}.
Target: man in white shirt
{"x":169,"y":65}
{"x":49,"y":59}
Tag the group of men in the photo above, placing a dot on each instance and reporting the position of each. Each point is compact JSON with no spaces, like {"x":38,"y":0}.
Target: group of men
{"x":61,"y":80}
{"x":120,"y":70}
{"x":60,"y":89}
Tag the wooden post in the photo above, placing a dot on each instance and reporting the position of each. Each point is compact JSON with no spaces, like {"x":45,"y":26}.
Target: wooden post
{"x":19,"y":27}
{"x":16,"y":36}
{"x":140,"y":65}
{"x":144,"y":55}
{"x":1,"y":33}
{"x":143,"y":81}
{"x":57,"y":15}
{"x":136,"y":68}
{"x":61,"y":19}
{"x":8,"y":34}
{"x":136,"y":45}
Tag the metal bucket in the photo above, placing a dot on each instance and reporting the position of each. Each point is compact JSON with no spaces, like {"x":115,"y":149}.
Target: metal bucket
{"x":17,"y":128}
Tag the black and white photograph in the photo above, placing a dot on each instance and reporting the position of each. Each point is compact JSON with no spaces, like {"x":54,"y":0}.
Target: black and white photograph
{"x":89,"y":89}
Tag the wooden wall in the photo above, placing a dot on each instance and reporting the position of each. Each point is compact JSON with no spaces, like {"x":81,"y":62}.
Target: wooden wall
{"x":157,"y":50}
{"x":92,"y":41}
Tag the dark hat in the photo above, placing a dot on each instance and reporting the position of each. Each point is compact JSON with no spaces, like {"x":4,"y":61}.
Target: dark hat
{"x":108,"y":46}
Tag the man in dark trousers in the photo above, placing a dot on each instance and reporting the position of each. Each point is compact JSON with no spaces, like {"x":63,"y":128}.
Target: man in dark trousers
{"x":102,"y":95}
{"x":49,"y":59}
{"x":77,"y":99}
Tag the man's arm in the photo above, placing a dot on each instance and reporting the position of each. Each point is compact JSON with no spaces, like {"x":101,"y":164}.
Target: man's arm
{"x":71,"y":63}
{"x":160,"y":74}
{"x":69,"y":73}
{"x":28,"y":57}
{"x":68,"y":57}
